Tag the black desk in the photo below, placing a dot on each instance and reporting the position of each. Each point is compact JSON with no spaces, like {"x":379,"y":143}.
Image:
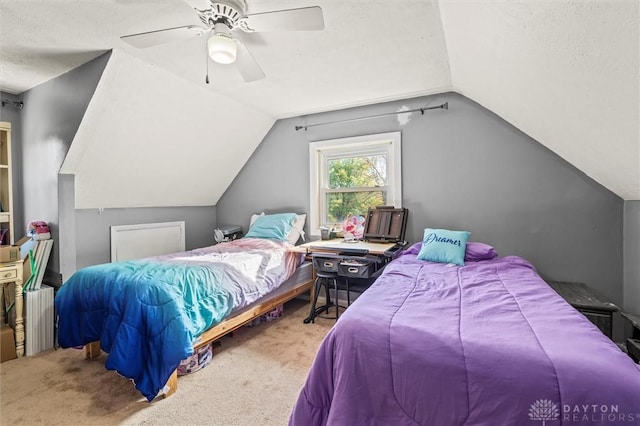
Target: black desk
{"x":593,"y":306}
{"x":347,"y":266}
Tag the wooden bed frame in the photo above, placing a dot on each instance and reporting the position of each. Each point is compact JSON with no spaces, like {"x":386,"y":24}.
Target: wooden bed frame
{"x":92,"y":350}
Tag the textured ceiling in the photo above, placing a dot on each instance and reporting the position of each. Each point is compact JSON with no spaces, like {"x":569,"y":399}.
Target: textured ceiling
{"x":357,"y":59}
{"x":565,"y":72}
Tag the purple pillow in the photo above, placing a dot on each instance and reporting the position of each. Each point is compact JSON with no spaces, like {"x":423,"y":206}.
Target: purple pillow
{"x":474,"y":251}
{"x":414,"y":249}
{"x":479,"y":251}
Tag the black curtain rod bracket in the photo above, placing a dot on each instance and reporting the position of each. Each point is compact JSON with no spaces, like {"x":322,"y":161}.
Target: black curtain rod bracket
{"x":422,"y":110}
{"x":15,"y":104}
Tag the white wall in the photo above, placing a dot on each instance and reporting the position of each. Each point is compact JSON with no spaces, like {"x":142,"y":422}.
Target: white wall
{"x":152,"y":139}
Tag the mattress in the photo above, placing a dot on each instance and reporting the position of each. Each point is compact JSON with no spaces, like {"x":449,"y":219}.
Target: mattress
{"x":303,"y":274}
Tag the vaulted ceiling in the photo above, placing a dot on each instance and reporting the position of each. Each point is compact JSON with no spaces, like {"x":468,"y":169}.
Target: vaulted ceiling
{"x":565,"y":72}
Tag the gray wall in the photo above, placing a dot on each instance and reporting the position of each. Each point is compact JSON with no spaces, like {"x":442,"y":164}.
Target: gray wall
{"x":93,"y":232}
{"x":464,"y":168}
{"x":632,"y":257}
{"x":43,"y":132}
{"x":49,"y":120}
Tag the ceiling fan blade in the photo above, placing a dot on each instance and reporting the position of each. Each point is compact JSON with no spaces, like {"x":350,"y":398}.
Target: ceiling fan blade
{"x":302,"y":19}
{"x":247,"y":65}
{"x":167,"y":35}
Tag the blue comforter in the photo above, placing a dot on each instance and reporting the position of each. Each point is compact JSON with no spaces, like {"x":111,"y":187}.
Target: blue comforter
{"x":148,"y":313}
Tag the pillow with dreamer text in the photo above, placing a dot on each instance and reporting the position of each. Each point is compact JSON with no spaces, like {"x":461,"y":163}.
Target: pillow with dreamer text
{"x":444,"y":246}
{"x":475,"y":251}
{"x":272,"y":226}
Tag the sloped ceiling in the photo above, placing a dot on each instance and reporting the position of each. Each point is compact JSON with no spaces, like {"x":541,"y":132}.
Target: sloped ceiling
{"x":565,"y":72}
{"x":140,"y":144}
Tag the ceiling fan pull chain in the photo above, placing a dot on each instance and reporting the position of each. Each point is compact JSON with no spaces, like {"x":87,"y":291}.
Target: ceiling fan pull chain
{"x":207,"y":78}
{"x":206,"y":55}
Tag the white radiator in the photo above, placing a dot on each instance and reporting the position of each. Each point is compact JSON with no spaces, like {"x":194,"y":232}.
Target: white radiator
{"x":38,"y":320}
{"x":146,"y":239}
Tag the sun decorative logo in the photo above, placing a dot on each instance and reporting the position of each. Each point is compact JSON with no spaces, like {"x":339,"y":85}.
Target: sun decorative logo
{"x":544,"y":410}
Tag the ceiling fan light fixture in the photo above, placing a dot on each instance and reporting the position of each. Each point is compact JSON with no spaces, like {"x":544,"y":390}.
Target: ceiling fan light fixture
{"x":222,"y":48}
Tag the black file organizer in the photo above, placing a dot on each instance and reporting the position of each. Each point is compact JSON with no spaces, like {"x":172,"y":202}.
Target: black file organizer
{"x":353,"y":270}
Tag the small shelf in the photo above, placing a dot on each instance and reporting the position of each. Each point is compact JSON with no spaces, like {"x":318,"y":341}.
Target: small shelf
{"x":6,"y":190}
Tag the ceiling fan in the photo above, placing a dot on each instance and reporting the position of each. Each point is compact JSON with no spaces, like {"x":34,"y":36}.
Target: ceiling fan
{"x":220,"y":19}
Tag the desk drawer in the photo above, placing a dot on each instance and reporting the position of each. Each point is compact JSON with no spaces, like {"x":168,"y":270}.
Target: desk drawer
{"x":326,"y":264}
{"x":345,"y":266}
{"x":355,"y":268}
{"x":6,"y":274}
{"x":602,"y":319}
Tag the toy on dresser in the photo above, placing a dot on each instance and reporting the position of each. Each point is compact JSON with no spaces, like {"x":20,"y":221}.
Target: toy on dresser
{"x":39,"y":230}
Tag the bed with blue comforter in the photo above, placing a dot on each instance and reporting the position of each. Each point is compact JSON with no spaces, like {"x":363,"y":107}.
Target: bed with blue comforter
{"x":147,"y":314}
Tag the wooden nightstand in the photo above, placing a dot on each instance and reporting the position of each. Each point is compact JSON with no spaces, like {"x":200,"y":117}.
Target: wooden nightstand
{"x":633,"y":343}
{"x":11,"y":274}
{"x":593,"y":306}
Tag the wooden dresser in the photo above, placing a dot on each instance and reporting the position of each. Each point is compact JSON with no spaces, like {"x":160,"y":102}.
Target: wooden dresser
{"x":593,"y":306}
{"x":633,"y":343}
{"x":11,"y":276}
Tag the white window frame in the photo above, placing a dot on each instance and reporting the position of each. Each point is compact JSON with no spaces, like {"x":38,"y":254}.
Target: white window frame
{"x":358,"y":145}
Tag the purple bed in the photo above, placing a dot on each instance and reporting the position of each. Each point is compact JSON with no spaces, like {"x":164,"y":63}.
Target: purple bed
{"x":487,"y":343}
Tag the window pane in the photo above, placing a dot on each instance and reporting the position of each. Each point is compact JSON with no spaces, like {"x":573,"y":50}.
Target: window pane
{"x":365,"y":171}
{"x":340,"y":204}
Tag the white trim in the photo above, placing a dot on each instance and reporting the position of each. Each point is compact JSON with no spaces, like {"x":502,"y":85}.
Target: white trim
{"x":394,"y":168}
{"x":146,"y":239}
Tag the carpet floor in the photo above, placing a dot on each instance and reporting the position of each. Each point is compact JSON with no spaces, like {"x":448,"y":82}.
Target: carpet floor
{"x":254,"y":378}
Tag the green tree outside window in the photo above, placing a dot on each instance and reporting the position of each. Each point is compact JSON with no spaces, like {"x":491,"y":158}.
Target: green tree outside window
{"x":355,"y":185}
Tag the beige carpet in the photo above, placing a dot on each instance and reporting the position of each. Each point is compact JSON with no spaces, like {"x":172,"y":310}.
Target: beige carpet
{"x":254,"y":379}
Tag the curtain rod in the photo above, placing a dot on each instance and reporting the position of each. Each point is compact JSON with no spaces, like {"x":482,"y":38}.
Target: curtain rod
{"x":422,"y":110}
{"x":15,"y":104}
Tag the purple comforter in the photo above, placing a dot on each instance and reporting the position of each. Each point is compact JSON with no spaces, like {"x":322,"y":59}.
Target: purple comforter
{"x":489,"y":343}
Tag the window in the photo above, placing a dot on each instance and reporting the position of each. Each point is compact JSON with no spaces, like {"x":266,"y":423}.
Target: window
{"x":351,"y":175}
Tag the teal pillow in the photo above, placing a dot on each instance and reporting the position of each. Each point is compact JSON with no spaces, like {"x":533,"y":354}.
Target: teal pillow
{"x":272,"y":226}
{"x":444,"y":246}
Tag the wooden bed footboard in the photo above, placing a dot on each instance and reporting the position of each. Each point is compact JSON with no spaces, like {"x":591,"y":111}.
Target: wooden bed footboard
{"x":92,"y":350}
